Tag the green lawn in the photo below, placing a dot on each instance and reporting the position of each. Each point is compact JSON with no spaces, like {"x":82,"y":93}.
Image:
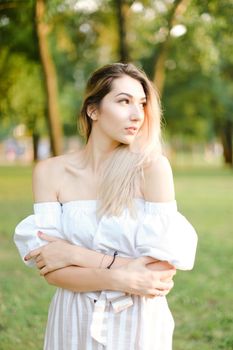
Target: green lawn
{"x":201,"y":300}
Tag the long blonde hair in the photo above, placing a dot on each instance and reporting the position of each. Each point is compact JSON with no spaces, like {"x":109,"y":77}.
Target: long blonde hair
{"x":122,"y":173}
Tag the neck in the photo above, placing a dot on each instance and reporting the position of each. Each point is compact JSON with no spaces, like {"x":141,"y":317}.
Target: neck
{"x":97,"y":150}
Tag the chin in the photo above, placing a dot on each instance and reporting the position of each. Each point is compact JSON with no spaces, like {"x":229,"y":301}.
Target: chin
{"x":127,"y":140}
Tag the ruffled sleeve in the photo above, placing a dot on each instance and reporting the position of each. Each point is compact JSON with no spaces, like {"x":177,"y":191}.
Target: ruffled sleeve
{"x":166,"y":235}
{"x":47,"y":218}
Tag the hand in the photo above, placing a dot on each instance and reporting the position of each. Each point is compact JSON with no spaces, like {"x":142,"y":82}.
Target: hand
{"x":158,"y":265}
{"x":53,"y":256}
{"x":136,"y":278}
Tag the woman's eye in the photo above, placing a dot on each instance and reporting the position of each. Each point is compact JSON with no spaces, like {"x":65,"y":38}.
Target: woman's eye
{"x":143,"y":105}
{"x":124,"y":101}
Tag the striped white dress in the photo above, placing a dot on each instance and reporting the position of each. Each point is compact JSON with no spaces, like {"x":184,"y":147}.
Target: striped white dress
{"x":111,"y":320}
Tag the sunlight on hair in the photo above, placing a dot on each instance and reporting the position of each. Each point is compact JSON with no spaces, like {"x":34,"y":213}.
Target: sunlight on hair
{"x":122,"y":172}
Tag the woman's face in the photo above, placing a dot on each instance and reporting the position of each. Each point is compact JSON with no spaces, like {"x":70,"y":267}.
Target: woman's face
{"x":121,"y":112}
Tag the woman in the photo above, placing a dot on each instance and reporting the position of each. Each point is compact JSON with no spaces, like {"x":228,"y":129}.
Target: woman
{"x":112,"y":237}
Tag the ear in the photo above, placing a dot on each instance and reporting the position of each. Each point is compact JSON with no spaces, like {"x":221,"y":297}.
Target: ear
{"x":92,"y":112}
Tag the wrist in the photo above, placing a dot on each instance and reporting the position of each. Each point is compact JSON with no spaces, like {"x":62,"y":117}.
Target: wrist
{"x":106,"y":279}
{"x":120,"y":261}
{"x":109,"y":279}
{"x":75,"y":255}
{"x":117,"y":279}
{"x":105,"y":261}
{"x":83,"y":257}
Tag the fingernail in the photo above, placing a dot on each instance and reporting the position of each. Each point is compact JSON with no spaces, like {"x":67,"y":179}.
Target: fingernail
{"x":39,"y":233}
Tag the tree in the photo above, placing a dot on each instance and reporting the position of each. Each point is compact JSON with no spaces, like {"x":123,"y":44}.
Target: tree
{"x":193,"y":71}
{"x":20,"y":102}
{"x":199,"y":58}
{"x":177,"y":9}
{"x":122,"y":11}
{"x":49,"y":70}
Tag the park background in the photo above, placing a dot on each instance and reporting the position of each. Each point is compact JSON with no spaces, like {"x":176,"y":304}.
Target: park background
{"x":47,"y":51}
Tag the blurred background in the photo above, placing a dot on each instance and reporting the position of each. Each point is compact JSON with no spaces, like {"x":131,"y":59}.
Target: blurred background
{"x":48,"y":49}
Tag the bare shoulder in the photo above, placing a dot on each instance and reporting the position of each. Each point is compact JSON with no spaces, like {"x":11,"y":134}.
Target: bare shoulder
{"x":46,"y":178}
{"x":158,"y":184}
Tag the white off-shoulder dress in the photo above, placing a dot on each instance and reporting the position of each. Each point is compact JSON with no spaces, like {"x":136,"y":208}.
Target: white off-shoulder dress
{"x":111,"y":320}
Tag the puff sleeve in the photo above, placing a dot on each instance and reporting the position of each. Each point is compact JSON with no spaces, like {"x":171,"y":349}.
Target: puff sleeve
{"x":47,"y":218}
{"x":166,"y":235}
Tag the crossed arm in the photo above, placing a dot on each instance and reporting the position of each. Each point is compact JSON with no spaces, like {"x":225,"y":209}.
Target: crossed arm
{"x":80,"y":269}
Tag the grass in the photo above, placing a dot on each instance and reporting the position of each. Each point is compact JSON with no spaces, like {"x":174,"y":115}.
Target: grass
{"x":201,"y":300}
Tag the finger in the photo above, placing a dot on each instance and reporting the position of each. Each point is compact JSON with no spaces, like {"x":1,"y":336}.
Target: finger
{"x":146,"y":260}
{"x":43,"y":271}
{"x":38,"y":258}
{"x":40,"y":264}
{"x":157,"y":293}
{"x":46,"y":237}
{"x":167,"y":273}
{"x":168,"y":285}
{"x":32,"y":254}
{"x":163,"y":286}
{"x":152,"y":296}
{"x":160,"y":265}
{"x":171,"y":284}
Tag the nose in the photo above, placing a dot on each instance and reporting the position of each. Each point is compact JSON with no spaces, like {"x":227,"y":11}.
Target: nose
{"x":137,"y":113}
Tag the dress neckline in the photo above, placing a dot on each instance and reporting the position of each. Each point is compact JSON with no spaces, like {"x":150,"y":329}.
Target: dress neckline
{"x":91,"y":202}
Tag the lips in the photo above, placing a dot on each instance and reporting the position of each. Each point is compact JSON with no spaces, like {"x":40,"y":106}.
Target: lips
{"x":132,"y":127}
{"x":131,"y":130}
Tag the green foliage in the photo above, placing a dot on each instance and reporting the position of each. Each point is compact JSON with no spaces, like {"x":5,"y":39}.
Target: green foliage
{"x":25,"y":95}
{"x":17,"y":32}
{"x":199,"y":68}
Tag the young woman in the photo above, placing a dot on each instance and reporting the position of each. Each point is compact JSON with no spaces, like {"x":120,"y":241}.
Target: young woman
{"x":105,"y":229}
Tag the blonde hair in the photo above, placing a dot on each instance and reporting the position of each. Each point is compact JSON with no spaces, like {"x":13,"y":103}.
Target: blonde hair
{"x":123,"y":171}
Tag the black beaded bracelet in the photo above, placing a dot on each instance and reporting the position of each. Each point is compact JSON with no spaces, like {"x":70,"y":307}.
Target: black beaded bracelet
{"x":114,"y":257}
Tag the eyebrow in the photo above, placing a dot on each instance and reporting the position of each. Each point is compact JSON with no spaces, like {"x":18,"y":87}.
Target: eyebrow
{"x":125,"y":93}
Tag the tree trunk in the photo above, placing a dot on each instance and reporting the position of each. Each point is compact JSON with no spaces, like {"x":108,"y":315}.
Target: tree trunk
{"x":159,"y":74}
{"x":121,"y":12}
{"x":35,"y":140}
{"x":54,"y":123}
{"x":226,"y":137}
{"x":160,"y":69}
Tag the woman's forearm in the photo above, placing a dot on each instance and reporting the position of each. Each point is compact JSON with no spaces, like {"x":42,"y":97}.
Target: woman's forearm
{"x":78,"y":279}
{"x":60,"y":253}
{"x":84,"y":257}
{"x":134,"y":278}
